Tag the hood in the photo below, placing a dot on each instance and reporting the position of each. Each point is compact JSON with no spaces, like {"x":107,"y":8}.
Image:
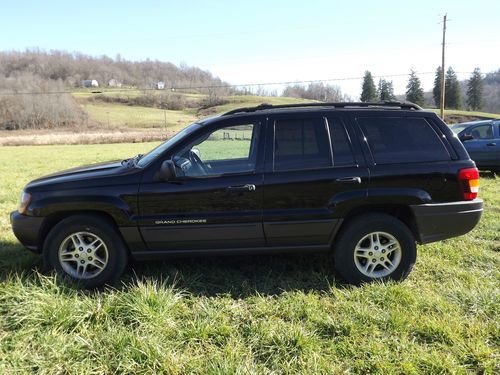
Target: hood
{"x":93,"y":172}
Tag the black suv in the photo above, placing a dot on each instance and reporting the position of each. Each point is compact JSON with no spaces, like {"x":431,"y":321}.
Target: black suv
{"x":365,"y":181}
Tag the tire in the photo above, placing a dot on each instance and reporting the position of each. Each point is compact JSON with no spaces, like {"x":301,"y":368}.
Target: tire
{"x":392,"y":257}
{"x":86,"y":243}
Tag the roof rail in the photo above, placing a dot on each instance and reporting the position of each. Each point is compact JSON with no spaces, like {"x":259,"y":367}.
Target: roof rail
{"x":390,"y":104}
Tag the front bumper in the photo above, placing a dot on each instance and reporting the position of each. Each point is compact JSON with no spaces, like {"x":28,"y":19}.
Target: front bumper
{"x":27,"y":230}
{"x":439,"y":221}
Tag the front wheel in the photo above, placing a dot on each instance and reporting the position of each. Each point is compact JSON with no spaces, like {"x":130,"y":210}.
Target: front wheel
{"x":87,"y":250}
{"x":374,"y":247}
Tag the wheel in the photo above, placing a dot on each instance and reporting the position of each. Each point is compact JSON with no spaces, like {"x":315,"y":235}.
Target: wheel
{"x":374,"y":247}
{"x":86,"y":250}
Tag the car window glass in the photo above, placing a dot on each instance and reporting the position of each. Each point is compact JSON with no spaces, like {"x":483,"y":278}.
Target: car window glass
{"x":482,"y":132}
{"x":227,"y":150}
{"x":301,"y":144}
{"x":402,"y":140}
{"x":341,"y":144}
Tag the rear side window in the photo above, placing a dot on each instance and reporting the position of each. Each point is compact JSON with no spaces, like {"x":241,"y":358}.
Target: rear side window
{"x":402,"y":140}
{"x":341,"y":144}
{"x":301,"y":144}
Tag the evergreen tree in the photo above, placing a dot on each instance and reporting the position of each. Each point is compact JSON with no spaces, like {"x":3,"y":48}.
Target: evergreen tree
{"x":386,"y":90}
{"x":414,"y":91}
{"x":475,"y":90}
{"x":452,"y":94}
{"x":436,"y":91}
{"x":368,"y":89}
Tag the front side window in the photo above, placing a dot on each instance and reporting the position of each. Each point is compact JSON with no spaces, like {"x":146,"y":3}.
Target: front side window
{"x":395,"y":140}
{"x":227,"y":150}
{"x":482,"y":132}
{"x":153,"y":154}
{"x":301,"y":144}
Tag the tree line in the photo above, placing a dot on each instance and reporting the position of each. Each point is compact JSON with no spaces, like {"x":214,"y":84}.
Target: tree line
{"x":72,"y":68}
{"x":415,"y":93}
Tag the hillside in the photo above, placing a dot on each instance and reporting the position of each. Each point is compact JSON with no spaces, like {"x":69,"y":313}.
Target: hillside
{"x":72,"y":68}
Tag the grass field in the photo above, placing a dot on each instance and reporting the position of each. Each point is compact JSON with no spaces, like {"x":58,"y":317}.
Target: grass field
{"x":118,"y":115}
{"x":135,"y":116}
{"x":456,"y":112}
{"x":266,"y":314}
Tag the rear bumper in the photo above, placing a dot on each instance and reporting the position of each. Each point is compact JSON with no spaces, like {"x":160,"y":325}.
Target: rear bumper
{"x":439,"y":221}
{"x":27,"y":230}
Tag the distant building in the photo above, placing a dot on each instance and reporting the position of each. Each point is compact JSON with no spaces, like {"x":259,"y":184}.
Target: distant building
{"x":90,"y":83}
{"x":114,"y":83}
{"x":160,"y":85}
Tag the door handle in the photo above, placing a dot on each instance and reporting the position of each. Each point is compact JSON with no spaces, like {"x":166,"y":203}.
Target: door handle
{"x":348,"y":180}
{"x":492,"y":144}
{"x":247,"y":187}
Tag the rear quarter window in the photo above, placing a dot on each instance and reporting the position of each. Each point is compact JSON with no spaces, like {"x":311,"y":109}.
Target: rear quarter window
{"x":402,"y":140}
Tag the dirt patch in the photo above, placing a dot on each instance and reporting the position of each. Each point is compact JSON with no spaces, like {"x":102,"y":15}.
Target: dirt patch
{"x":84,"y":136}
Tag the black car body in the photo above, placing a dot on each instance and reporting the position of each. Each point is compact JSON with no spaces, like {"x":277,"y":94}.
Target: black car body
{"x":482,"y":141}
{"x":276,"y":178}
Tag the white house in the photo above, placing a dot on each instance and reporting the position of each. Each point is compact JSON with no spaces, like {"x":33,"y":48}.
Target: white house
{"x":160,"y":85}
{"x":90,"y":83}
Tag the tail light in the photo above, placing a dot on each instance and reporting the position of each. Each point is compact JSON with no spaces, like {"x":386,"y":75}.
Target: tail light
{"x":469,"y":183}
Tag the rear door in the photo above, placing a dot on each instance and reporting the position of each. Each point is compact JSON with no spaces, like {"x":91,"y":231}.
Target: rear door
{"x":407,"y":154}
{"x":310,"y":161}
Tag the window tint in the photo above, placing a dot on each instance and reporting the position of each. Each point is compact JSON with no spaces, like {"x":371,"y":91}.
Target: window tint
{"x":231,"y":149}
{"x":342,"y":151}
{"x":482,"y":132}
{"x":402,"y":140}
{"x":301,"y":144}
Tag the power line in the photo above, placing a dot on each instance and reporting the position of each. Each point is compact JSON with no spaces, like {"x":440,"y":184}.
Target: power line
{"x":253,"y":84}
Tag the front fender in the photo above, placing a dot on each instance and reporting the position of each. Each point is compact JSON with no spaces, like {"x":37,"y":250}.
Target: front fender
{"x":121,"y":206}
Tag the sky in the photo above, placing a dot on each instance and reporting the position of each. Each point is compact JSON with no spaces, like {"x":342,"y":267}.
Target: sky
{"x":268,"y":41}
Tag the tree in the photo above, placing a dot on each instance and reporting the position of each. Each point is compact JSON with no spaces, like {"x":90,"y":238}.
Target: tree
{"x":475,"y":90}
{"x":436,"y":91}
{"x":452,"y":94}
{"x":386,"y":90}
{"x":414,"y":91}
{"x":368,"y":89}
{"x":316,"y":91}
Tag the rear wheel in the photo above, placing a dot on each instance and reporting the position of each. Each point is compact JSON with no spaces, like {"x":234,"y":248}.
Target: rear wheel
{"x":87,"y":250}
{"x":374,"y":247}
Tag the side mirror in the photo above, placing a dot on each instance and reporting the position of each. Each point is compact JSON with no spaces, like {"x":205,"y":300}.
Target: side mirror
{"x":167,"y":171}
{"x":466,"y":137}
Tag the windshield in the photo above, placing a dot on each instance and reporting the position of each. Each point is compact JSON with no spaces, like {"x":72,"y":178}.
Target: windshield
{"x":457,"y":128}
{"x":153,"y":154}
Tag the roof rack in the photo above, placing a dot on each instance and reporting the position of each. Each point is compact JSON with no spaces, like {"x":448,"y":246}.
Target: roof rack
{"x":390,"y":104}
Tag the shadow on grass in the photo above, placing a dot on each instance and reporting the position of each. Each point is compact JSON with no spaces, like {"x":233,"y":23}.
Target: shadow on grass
{"x":236,"y":276}
{"x":488,"y":174}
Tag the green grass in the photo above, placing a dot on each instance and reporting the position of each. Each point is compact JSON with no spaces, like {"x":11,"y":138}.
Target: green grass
{"x":456,"y":112}
{"x":119,"y":115}
{"x":136,"y":116}
{"x":262,"y":314}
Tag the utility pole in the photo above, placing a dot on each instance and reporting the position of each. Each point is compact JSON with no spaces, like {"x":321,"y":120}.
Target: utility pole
{"x":442,"y":69}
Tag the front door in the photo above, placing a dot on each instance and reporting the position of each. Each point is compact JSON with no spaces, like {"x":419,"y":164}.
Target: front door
{"x":482,"y":148}
{"x":215,"y":202}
